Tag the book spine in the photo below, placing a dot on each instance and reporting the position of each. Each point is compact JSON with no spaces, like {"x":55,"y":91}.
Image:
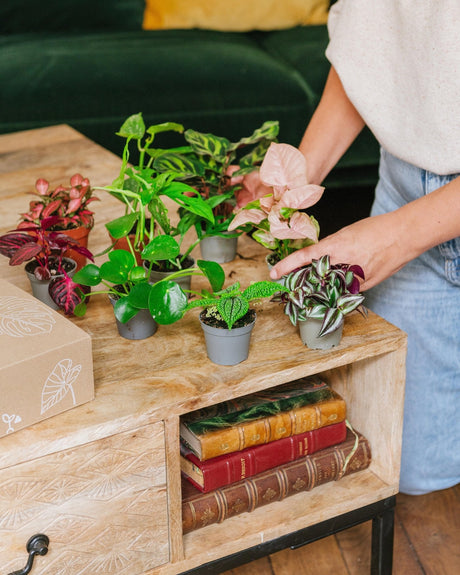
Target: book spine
{"x":271,"y":428}
{"x":202,"y":509}
{"x":227,"y":469}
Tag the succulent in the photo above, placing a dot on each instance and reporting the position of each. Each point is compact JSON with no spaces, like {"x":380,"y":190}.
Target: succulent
{"x":322,"y":291}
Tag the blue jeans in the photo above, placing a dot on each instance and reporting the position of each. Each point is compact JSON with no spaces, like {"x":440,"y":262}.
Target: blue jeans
{"x":423,"y":299}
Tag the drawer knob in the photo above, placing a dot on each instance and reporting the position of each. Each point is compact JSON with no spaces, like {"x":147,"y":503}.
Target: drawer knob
{"x":37,"y":545}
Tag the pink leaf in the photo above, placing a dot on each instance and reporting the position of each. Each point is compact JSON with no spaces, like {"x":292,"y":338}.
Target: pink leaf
{"x":41,"y":185}
{"x":302,"y":197}
{"x":243,"y":216}
{"x":284,"y":166}
{"x":76,"y":180}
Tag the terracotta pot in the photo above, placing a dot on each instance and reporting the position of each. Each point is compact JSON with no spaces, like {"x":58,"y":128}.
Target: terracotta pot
{"x":81,"y":235}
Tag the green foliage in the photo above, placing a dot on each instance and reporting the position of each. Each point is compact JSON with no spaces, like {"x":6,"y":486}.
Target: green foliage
{"x":121,"y":278}
{"x":232,"y":303}
{"x":143,"y":189}
{"x":322,"y":291}
{"x":206,"y":164}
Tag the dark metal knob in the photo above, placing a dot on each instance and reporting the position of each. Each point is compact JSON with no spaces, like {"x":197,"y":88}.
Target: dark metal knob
{"x":37,"y":545}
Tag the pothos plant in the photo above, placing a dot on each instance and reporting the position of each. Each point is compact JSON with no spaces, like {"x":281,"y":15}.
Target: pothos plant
{"x":127,"y":283}
{"x":229,"y":307}
{"x":322,"y":291}
{"x":215,"y":167}
{"x":142,"y":189}
{"x":277,"y":220}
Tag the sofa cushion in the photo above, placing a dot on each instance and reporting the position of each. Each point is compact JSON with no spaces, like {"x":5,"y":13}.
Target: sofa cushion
{"x":210,"y":81}
{"x":22,"y":16}
{"x":234,"y":15}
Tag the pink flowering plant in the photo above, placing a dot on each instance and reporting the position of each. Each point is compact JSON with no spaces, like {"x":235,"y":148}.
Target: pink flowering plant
{"x":275,"y":215}
{"x":69,"y":204}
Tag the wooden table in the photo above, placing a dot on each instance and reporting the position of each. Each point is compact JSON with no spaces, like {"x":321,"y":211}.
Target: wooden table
{"x":103,"y":480}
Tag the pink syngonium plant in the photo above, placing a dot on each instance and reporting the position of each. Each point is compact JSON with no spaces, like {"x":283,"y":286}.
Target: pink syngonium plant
{"x":275,"y":200}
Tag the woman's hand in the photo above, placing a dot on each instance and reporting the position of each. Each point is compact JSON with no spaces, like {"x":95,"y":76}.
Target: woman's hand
{"x":374,"y":243}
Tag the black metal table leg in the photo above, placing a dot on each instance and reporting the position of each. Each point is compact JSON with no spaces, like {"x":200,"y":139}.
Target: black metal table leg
{"x":382,"y":543}
{"x":381,"y":513}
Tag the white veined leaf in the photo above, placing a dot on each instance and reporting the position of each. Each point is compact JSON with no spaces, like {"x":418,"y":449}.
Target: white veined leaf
{"x":59,"y":383}
{"x":20,"y":317}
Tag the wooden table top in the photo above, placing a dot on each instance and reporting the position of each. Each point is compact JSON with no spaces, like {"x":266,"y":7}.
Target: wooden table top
{"x":138,"y":382}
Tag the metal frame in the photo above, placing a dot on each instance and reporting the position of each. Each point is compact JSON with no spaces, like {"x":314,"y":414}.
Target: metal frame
{"x":381,"y":513}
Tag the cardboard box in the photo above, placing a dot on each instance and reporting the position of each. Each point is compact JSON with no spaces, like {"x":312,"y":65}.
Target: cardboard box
{"x":46,"y":362}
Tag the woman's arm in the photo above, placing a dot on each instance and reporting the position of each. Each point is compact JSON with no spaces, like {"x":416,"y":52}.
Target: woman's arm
{"x":383,"y":244}
{"x":331,"y":130}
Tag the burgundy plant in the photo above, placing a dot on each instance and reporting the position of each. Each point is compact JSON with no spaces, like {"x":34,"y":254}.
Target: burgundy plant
{"x":47,"y":248}
{"x":69,"y":204}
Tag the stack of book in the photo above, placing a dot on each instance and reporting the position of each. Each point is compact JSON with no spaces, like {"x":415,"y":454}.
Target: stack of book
{"x":241,"y":454}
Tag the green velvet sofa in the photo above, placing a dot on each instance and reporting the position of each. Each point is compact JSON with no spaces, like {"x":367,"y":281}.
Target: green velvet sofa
{"x":88,"y":63}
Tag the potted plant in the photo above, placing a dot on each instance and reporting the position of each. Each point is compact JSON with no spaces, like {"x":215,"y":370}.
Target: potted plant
{"x":143,"y":189}
{"x":318,"y":298}
{"x":44,"y":250}
{"x":138,"y":305}
{"x":277,"y":220}
{"x":227,"y":319}
{"x":70,"y":204}
{"x":215,"y":167}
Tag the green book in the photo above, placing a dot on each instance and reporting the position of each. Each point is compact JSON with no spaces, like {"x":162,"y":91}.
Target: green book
{"x":298,"y":393}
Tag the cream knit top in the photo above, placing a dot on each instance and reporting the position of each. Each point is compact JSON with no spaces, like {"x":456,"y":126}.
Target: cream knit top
{"x":399,"y":62}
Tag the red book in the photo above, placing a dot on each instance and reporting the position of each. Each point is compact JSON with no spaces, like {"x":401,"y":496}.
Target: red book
{"x":226,"y":469}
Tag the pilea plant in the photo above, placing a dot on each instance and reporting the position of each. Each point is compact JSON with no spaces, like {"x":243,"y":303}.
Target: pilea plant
{"x":224,"y":308}
{"x":322,"y":291}
{"x":121,"y":278}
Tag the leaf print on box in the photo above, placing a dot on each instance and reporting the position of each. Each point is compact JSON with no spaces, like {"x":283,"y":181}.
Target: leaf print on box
{"x":9,"y":420}
{"x":21,"y":317}
{"x":59,"y":383}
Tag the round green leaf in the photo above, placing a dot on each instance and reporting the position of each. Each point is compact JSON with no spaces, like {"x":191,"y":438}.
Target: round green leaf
{"x":138,"y":296}
{"x":88,"y":275}
{"x":167,"y":302}
{"x":123,"y":310}
{"x":214,"y":272}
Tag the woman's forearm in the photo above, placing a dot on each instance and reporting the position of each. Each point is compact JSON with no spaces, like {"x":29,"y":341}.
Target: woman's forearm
{"x":333,"y":127}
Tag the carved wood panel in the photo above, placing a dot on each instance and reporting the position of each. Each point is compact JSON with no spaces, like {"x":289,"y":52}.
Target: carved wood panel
{"x":103,"y":505}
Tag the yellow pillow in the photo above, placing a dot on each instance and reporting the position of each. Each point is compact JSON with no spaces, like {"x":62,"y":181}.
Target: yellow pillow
{"x":234,"y":15}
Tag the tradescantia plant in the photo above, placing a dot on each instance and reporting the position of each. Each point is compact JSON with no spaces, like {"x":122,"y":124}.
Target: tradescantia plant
{"x":322,"y":291}
{"x":227,"y":306}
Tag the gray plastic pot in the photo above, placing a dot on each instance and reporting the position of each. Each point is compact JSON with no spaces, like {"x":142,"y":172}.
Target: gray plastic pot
{"x":309,"y":330}
{"x":227,"y":346}
{"x":218,"y":249}
{"x":184,"y":282}
{"x":40,"y":287}
{"x":141,"y":326}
